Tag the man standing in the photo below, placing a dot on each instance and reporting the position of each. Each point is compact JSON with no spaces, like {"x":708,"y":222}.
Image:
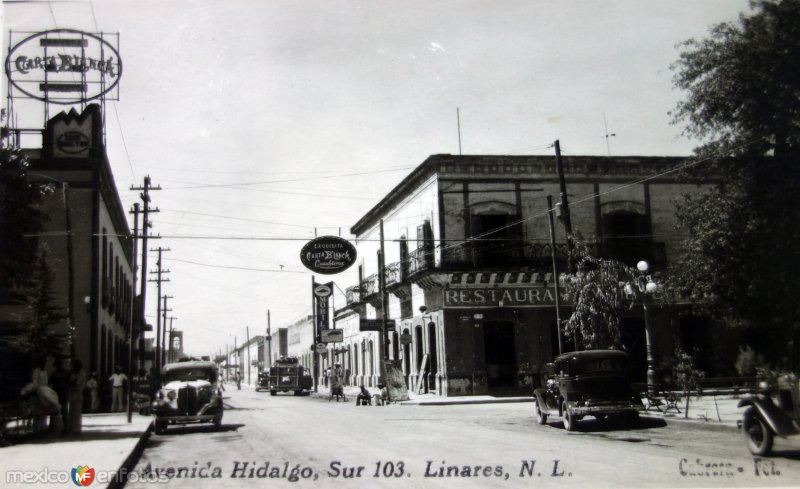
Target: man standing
{"x":118,"y":380}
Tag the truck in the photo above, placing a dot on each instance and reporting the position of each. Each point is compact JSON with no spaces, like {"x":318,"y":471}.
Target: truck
{"x":287,"y":374}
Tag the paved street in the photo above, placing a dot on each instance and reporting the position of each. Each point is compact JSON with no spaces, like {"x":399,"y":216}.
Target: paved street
{"x":311,"y":441}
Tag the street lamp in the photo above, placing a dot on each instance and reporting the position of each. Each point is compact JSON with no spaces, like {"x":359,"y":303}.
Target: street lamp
{"x":642,"y":287}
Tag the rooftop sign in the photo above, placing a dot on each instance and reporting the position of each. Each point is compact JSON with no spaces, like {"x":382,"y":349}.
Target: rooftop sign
{"x":328,"y":255}
{"x":64,"y":66}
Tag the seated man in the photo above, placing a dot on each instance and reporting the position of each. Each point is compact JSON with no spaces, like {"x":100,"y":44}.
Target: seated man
{"x":383,"y":397}
{"x":364,"y":397}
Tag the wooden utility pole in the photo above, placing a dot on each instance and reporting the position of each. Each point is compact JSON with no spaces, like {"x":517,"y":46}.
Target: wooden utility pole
{"x":159,"y":272}
{"x":146,"y":224}
{"x":383,"y":350}
{"x":164,"y":346}
{"x":134,"y":323}
{"x":565,"y":217}
{"x":269,"y":342}
{"x":555,"y":273}
{"x":247,"y":330}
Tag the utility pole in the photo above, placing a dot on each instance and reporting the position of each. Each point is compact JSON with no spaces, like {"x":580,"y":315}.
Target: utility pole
{"x":383,"y":351}
{"x":565,"y":217}
{"x":269,"y":342}
{"x":555,"y":272}
{"x":247,"y":330}
{"x":134,"y":323}
{"x":146,"y":224}
{"x":170,"y":357}
{"x":164,"y":311}
{"x":159,"y":272}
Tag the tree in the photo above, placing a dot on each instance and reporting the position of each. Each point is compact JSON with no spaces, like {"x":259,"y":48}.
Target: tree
{"x":596,"y":290}
{"x":743,"y":82}
{"x":34,"y":333}
{"x":20,"y":221}
{"x":740,"y":263}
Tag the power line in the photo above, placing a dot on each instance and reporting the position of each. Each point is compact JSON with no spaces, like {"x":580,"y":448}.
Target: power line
{"x":243,"y":184}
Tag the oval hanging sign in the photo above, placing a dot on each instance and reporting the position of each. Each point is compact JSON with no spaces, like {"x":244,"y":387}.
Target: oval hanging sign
{"x":328,"y":255}
{"x":64,"y":66}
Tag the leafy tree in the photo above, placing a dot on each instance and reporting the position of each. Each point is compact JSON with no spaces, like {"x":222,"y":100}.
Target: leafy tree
{"x":35,"y":334}
{"x":596,"y":290}
{"x":743,"y":82}
{"x":740,"y":262}
{"x":20,"y":221}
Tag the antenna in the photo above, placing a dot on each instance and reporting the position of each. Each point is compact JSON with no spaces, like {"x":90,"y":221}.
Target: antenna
{"x":607,"y":135}
{"x":458,"y":123}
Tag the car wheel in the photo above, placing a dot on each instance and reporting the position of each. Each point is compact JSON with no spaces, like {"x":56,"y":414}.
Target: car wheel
{"x":758,"y":435}
{"x":273,"y":393}
{"x":541,"y":417}
{"x":568,"y":418}
{"x":161,"y":427}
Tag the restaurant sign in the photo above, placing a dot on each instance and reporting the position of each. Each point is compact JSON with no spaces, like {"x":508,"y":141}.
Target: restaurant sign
{"x":328,"y":255}
{"x":500,"y":297}
{"x":64,"y":66}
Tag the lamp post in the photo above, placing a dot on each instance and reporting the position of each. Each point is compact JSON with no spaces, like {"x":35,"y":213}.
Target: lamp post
{"x":642,"y":287}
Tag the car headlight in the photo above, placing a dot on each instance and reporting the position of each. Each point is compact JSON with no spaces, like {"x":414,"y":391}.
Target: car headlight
{"x":171,"y":395}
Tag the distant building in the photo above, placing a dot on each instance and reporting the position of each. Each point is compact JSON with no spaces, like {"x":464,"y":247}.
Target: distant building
{"x":469,"y":268}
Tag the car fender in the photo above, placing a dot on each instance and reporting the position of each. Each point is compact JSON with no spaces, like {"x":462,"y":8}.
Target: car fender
{"x":778,"y":421}
{"x":542,"y":395}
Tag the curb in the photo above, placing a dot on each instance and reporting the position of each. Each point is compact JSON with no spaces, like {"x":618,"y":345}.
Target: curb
{"x":448,"y":402}
{"x":131,"y":460}
{"x":699,"y":424}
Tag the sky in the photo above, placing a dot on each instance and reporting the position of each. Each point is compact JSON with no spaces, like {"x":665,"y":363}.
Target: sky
{"x":268,"y":122}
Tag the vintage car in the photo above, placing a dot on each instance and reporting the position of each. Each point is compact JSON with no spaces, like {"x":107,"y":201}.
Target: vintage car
{"x":286,"y":374}
{"x":263,"y":380}
{"x":772,"y":411}
{"x":587,"y":383}
{"x":190,"y":393}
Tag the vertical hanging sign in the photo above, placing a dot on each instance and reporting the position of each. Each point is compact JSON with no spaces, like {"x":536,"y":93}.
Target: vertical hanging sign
{"x":321,"y":294}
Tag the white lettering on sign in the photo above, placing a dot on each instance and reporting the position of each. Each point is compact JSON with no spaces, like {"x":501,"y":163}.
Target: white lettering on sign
{"x":500,"y":297}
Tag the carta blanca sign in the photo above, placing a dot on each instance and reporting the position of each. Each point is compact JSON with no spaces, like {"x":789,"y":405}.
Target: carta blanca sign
{"x":328,"y":255}
{"x":500,"y":297}
{"x":64,"y":66}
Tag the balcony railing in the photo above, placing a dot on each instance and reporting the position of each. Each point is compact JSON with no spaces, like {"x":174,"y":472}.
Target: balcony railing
{"x":393,"y":274}
{"x":369,"y":286}
{"x":353,"y":295}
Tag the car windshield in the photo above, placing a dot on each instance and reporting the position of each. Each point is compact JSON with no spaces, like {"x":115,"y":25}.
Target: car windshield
{"x":603,"y":365}
{"x":186,"y":374}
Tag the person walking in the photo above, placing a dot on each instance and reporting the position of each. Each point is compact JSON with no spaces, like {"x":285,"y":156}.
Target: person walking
{"x":39,"y":378}
{"x":59,"y":382}
{"x":94,"y":393}
{"x":238,"y":378}
{"x":118,"y":380}
{"x":77,"y":382}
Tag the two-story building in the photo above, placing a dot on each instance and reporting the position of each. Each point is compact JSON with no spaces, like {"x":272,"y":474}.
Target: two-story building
{"x":469,"y":266}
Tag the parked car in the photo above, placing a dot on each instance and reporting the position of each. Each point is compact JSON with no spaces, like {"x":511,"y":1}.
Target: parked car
{"x":587,"y":383}
{"x":286,"y":374}
{"x":263,"y":380}
{"x":773,"y":411}
{"x":190,"y":393}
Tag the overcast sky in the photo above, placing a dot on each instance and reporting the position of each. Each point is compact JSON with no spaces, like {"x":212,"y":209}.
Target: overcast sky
{"x":271,"y":119}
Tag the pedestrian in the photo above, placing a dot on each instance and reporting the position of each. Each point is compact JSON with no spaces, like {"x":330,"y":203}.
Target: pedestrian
{"x":238,"y":378}
{"x":94,"y":393}
{"x":364,"y":397}
{"x":118,"y":380}
{"x":39,"y":379}
{"x":77,"y":382}
{"x":59,"y":382}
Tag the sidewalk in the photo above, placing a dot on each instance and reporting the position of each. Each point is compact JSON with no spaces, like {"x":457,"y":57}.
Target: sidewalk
{"x":107,"y":445}
{"x":710,"y":411}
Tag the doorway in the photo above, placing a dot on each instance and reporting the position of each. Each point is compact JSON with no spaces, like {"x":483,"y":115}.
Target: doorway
{"x":501,"y":354}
